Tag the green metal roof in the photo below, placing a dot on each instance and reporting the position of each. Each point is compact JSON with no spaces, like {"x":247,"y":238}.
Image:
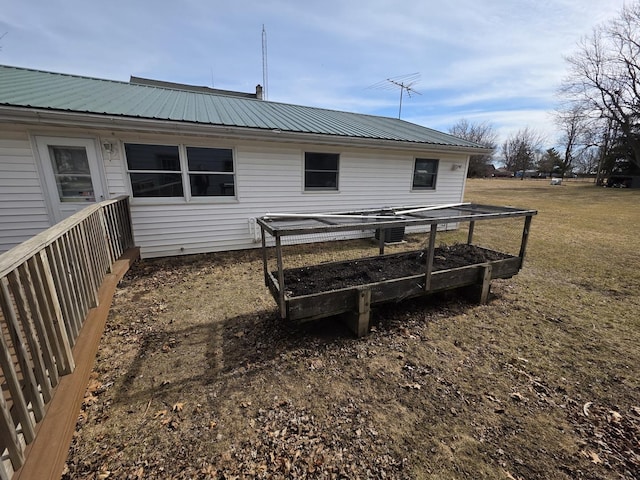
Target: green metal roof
{"x":21,"y":87}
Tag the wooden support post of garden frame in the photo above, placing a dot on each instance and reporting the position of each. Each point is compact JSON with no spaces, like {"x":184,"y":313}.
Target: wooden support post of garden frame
{"x":358,"y":322}
{"x":264,"y":257}
{"x":283,"y":307}
{"x":381,"y":232}
{"x":430,"y":253}
{"x":487,"y":270}
{"x":525,"y":237}
{"x":472,"y":225}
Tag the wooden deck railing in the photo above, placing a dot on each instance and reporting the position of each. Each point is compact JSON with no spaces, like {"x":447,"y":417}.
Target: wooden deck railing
{"x":48,"y":285}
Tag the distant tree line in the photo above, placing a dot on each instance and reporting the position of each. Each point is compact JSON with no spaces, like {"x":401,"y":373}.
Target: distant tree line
{"x":483,"y":134}
{"x":598,"y":118}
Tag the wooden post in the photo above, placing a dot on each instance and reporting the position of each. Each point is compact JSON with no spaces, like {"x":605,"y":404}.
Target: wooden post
{"x":486,"y":283}
{"x":430,"y":253}
{"x":264,"y":257}
{"x":381,"y":233}
{"x":283,"y":307}
{"x":525,"y":237}
{"x":472,"y":225}
{"x":128,"y":223}
{"x":358,"y":322}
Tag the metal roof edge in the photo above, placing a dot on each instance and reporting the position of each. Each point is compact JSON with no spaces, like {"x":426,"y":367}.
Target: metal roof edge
{"x":58,"y":118}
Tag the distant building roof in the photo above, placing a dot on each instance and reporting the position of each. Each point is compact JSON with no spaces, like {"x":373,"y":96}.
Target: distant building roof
{"x":35,"y":89}
{"x":194,"y":88}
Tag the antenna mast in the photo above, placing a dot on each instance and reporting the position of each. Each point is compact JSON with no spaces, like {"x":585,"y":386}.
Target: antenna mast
{"x":265,"y":73}
{"x":405,"y":82}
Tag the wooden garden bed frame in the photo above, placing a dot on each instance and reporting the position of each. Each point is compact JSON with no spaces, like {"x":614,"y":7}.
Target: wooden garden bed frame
{"x":356,"y":301}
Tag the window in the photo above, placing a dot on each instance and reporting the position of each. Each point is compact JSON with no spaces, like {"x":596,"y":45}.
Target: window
{"x":154,"y":170}
{"x":170,"y":171}
{"x":210,"y":172}
{"x":321,"y":171}
{"x":425,"y":173}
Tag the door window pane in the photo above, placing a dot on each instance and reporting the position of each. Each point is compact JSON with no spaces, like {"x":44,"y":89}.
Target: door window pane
{"x":71,"y":173}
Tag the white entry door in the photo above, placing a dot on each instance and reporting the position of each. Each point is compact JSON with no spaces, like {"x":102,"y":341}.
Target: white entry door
{"x":72,"y":174}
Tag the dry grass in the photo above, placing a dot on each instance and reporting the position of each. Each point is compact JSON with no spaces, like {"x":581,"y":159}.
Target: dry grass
{"x":198,"y":378}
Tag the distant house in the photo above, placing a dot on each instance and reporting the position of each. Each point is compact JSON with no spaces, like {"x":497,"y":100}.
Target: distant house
{"x":200,"y":164}
{"x":502,"y":172}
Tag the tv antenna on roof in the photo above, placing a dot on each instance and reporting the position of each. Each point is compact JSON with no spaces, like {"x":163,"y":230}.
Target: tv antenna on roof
{"x":405,"y":82}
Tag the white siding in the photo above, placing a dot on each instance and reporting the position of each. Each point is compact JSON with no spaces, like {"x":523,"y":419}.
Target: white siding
{"x":113,"y":169}
{"x":23,"y":212}
{"x":269,"y":179}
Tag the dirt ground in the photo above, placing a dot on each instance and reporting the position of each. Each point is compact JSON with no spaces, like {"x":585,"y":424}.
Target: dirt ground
{"x":197,"y":377}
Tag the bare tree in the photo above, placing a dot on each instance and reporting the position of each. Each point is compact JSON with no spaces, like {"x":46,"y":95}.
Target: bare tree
{"x":520,"y":150}
{"x":587,"y":163}
{"x":577,"y":134}
{"x":605,"y":74}
{"x":481,"y":133}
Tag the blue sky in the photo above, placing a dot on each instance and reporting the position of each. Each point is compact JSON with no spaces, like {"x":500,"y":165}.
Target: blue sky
{"x":499,"y":61}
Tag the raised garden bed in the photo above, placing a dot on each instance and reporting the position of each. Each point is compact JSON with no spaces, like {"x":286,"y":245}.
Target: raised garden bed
{"x":351,"y":286}
{"x":353,"y":273}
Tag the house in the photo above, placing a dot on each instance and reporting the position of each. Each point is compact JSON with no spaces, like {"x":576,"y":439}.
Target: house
{"x":200,"y":164}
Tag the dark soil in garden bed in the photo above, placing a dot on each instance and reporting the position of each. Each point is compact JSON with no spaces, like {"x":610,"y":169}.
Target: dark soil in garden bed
{"x":333,"y":276}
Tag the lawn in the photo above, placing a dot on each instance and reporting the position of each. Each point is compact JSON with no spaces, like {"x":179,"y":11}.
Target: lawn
{"x":197,"y":377}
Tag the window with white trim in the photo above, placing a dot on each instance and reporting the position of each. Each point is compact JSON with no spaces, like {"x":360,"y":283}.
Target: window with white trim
{"x":321,"y":171}
{"x":425,"y":174}
{"x":211,"y":172}
{"x":184,"y":172}
{"x":154,"y":170}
